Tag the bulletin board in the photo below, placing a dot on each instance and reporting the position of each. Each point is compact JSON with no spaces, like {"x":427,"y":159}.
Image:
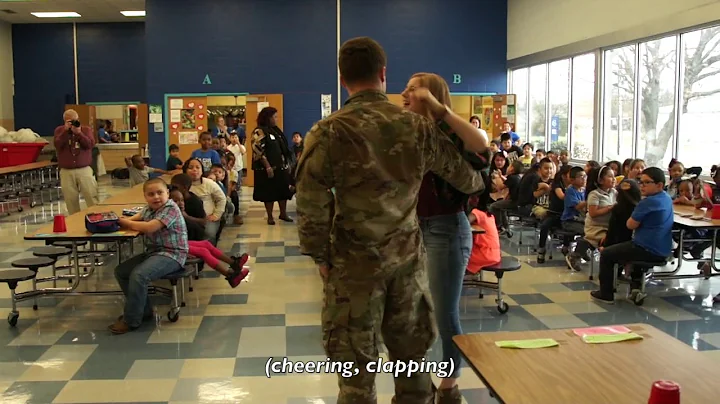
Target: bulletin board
{"x":187,"y":119}
{"x":494,"y":111}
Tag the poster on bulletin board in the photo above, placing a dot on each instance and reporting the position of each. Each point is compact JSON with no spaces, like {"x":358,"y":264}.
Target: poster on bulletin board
{"x":494,"y":111}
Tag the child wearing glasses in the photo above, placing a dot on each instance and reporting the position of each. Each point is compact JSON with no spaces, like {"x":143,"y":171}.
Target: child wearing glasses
{"x":652,"y":222}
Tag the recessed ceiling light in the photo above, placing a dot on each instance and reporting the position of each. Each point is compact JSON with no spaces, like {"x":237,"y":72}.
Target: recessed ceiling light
{"x":133,"y":13}
{"x":61,"y":14}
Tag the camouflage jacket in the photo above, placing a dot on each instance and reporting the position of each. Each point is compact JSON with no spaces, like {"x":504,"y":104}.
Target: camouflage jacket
{"x":373,"y":154}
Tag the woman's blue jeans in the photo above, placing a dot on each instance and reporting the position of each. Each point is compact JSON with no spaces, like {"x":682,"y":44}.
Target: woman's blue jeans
{"x":448,"y":242}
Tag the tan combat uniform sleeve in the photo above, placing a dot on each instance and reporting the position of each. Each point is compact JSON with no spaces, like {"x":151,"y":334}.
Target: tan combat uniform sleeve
{"x":447,"y":162}
{"x":314,"y":199}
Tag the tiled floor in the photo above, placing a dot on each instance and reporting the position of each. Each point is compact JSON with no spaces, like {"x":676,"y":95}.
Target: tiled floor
{"x":217,"y":351}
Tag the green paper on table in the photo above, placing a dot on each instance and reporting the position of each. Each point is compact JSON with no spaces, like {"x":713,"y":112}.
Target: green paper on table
{"x":528,"y":343}
{"x":610,"y":338}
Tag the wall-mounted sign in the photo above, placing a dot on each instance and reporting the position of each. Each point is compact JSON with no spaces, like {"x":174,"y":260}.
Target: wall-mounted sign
{"x":206,"y":80}
{"x":457,"y":79}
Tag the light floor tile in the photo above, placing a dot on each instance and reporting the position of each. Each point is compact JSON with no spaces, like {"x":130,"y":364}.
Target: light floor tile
{"x":549,"y":309}
{"x":53,"y":370}
{"x":78,"y":352}
{"x":4,"y":385}
{"x":302,"y":319}
{"x":172,"y":335}
{"x":667,"y":311}
{"x":262,"y":342}
{"x":251,"y":308}
{"x":155,"y":369}
{"x":263,"y":252}
{"x":33,"y":336}
{"x":208,"y":368}
{"x":566,"y":321}
{"x":582,"y":307}
{"x":569,"y":297}
{"x":712,"y":339}
{"x":12,"y":370}
{"x":116,"y":391}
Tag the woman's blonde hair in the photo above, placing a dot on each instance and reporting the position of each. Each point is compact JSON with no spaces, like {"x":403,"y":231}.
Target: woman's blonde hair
{"x":436,"y":85}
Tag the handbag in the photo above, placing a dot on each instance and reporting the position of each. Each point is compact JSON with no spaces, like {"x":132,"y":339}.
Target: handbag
{"x":102,"y":222}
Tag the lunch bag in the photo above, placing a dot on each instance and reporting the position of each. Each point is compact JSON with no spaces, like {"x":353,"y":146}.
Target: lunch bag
{"x":102,"y":222}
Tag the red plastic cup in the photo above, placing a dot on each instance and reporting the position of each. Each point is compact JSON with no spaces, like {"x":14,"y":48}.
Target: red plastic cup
{"x":59,"y":225}
{"x":665,"y":392}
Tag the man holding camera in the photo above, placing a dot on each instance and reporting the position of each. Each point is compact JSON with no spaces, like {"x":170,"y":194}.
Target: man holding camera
{"x":73,"y":145}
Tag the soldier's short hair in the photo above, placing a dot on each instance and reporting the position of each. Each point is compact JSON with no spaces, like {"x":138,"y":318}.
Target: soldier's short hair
{"x":361,"y":59}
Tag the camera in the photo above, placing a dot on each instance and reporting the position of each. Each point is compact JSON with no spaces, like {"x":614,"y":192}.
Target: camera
{"x":75,"y":123}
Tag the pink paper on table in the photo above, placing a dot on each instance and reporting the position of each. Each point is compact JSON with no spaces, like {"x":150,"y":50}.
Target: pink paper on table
{"x":613,"y":329}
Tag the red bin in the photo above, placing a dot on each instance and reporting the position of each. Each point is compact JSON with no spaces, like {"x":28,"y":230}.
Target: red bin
{"x":14,"y":154}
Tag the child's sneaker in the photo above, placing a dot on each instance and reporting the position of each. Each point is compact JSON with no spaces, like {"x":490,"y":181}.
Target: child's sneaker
{"x":541,"y":258}
{"x":239,"y":262}
{"x":573,"y":260}
{"x":237,"y":276}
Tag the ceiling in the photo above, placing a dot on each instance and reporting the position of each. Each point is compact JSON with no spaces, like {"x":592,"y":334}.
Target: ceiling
{"x":90,"y":10}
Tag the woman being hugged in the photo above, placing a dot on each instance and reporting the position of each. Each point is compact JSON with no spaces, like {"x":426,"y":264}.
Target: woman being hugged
{"x":446,"y":230}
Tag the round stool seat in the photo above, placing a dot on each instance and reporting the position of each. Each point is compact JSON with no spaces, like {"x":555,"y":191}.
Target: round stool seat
{"x":52,"y":252}
{"x":647,"y":265}
{"x":192,"y":260}
{"x":33,"y":263}
{"x":506,"y":264}
{"x":69,"y":244}
{"x":16,"y":275}
{"x":183,"y":273}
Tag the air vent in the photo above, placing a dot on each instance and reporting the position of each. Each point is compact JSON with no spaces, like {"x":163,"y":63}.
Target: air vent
{"x":7,"y":11}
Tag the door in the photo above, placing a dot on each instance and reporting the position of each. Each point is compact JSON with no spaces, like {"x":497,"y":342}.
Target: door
{"x":255,"y":103}
{"x":187,"y":120}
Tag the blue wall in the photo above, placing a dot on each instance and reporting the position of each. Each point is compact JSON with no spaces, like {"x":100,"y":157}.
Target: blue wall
{"x":281,"y":46}
{"x":111,"y":62}
{"x":466,"y":37}
{"x":111,"y":67}
{"x":44,"y":75}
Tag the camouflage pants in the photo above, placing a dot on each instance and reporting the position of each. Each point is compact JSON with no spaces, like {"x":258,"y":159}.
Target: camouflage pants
{"x":358,"y":306}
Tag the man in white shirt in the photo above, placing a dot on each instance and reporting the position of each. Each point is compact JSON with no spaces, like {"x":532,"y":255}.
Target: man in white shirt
{"x":238,"y":150}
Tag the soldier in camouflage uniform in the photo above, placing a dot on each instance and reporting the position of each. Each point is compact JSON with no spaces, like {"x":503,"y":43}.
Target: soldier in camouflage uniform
{"x":364,"y":235}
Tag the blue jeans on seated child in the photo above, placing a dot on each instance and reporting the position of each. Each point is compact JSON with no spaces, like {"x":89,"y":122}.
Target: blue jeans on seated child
{"x":135,"y":276}
{"x":448,"y":242}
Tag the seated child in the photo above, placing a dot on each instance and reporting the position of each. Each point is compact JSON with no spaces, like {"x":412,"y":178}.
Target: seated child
{"x":206,"y":154}
{"x":193,"y":211}
{"x":173,"y":161}
{"x":512,"y":183}
{"x":652,"y":220}
{"x":676,"y":170}
{"x":138,"y":171}
{"x":601,"y":197}
{"x":212,"y":197}
{"x":166,"y":249}
{"x":533,"y":196}
{"x":573,"y":216}
{"x":527,"y":158}
{"x":555,"y":210}
{"x":494,"y":147}
{"x":233,"y":181}
{"x":230,"y":267}
{"x":539,"y":155}
{"x":219,"y":174}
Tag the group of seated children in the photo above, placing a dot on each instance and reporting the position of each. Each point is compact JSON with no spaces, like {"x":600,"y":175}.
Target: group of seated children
{"x":165,"y":223}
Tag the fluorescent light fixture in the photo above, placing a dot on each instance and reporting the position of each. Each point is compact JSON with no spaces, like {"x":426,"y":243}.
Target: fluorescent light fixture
{"x":133,"y":13}
{"x":61,"y":14}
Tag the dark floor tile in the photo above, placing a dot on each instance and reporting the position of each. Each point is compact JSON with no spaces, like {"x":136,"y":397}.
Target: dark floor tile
{"x":256,"y":367}
{"x":274,"y":244}
{"x":32,"y":392}
{"x":4,"y":256}
{"x":292,"y":251}
{"x":304,"y":340}
{"x":108,"y":364}
{"x":582,"y":285}
{"x":104,"y":337}
{"x":8,"y":333}
{"x":209,"y":274}
{"x":248,"y":236}
{"x":259,"y":320}
{"x":22,"y":353}
{"x":517,"y":319}
{"x":228,"y":299}
{"x":530,"y":298}
{"x":265,"y":260}
{"x":694,"y":305}
{"x":478,"y":396}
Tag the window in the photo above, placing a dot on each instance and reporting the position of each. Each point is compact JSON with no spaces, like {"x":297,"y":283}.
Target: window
{"x":698,"y":141}
{"x":537,"y":105}
{"x":619,"y":103}
{"x":520,"y":89}
{"x":656,"y":106}
{"x":583,"y":111}
{"x":559,"y":89}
